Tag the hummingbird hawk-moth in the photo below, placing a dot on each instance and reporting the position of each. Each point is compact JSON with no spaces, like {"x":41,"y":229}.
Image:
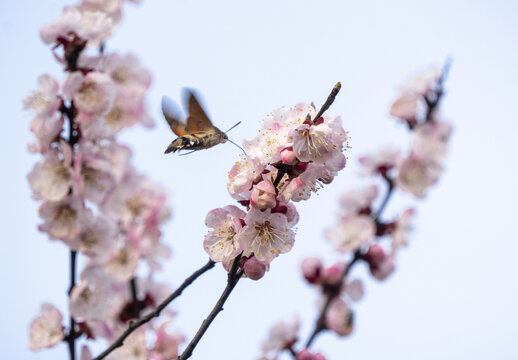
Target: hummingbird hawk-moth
{"x":197,"y":132}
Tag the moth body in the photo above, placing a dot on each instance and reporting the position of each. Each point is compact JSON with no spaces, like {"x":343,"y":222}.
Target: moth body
{"x":197,"y":141}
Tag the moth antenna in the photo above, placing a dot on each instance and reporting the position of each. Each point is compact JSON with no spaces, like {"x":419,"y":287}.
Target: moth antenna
{"x":190,"y":152}
{"x":233,"y":127}
{"x":243,"y":150}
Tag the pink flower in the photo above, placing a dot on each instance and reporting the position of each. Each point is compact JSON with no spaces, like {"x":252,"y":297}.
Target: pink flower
{"x":93,"y":93}
{"x":51,"y":179}
{"x":166,"y":345}
{"x":318,"y":143}
{"x":46,"y":329}
{"x":85,"y":353}
{"x":339,"y":318}
{"x":380,"y":163}
{"x":416,"y":175}
{"x":62,"y":219}
{"x":430,"y":140}
{"x":265,"y":235}
{"x":352,"y":233}
{"x":253,"y":268}
{"x":123,"y":263}
{"x":381,"y":264}
{"x":131,"y":78}
{"x":305,"y":354}
{"x":97,"y":238}
{"x":354,"y":290}
{"x":263,"y":195}
{"x":311,"y":269}
{"x":354,"y":202}
{"x":241,"y":177}
{"x":93,"y":180}
{"x":288,"y":156}
{"x":46,"y":130}
{"x":135,"y":347}
{"x":332,"y":275}
{"x":97,"y":297}
{"x":221,"y":243}
{"x":281,"y":336}
{"x":301,"y":187}
{"x":403,"y":227}
{"x":89,"y":25}
{"x":45,"y":101}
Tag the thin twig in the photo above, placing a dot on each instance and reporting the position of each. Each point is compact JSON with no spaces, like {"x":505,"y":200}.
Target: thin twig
{"x":321,"y":321}
{"x":133,"y":325}
{"x":233,"y":277}
{"x":329,"y":101}
{"x":71,"y":336}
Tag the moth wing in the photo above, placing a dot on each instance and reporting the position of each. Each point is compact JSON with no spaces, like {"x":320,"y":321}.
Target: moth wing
{"x":173,"y":116}
{"x":198,"y":121}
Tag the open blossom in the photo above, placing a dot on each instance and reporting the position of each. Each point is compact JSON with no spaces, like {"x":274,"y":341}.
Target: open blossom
{"x":265,"y":235}
{"x":51,"y":178}
{"x":46,"y":130}
{"x":281,"y":336}
{"x":46,"y":329}
{"x":166,"y":345}
{"x":92,"y":176}
{"x":97,"y":297}
{"x":123,"y":263}
{"x":416,"y":175}
{"x":45,"y":101}
{"x":131,"y":78}
{"x":135,"y":347}
{"x":62,"y":219}
{"x":93,"y":93}
{"x":380,"y":163}
{"x":221,"y":243}
{"x":310,"y":181}
{"x":242,"y":176}
{"x":403,"y":226}
{"x":352,"y":233}
{"x":354,"y":202}
{"x":430,"y":140}
{"x":318,"y":142}
{"x":97,"y":237}
{"x":90,"y":25}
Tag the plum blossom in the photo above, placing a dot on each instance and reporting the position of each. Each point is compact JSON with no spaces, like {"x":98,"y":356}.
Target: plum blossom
{"x":62,"y":219}
{"x":96,"y":238}
{"x":166,"y":345}
{"x":358,"y":201}
{"x":318,"y":142}
{"x":311,"y":269}
{"x":46,"y":330}
{"x":45,"y":101}
{"x":265,"y":235}
{"x":383,"y":161}
{"x":51,"y":178}
{"x":221,"y":243}
{"x":134,"y":347}
{"x":93,"y":94}
{"x":430,"y":140}
{"x":416,"y":175}
{"x":123,"y":263}
{"x":89,"y":25}
{"x":380,"y":263}
{"x":282,"y":335}
{"x":305,"y":354}
{"x":352,"y":233}
{"x":253,"y":268}
{"x":402,"y":228}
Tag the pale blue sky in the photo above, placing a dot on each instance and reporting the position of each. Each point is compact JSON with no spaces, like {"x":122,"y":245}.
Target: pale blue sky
{"x":455,"y":291}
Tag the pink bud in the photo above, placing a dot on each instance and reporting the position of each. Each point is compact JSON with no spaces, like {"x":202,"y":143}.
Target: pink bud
{"x":288,"y":156}
{"x":311,"y":269}
{"x":381,"y":264}
{"x":333,"y":275}
{"x":263,"y":195}
{"x":307,"y":355}
{"x":253,"y":268}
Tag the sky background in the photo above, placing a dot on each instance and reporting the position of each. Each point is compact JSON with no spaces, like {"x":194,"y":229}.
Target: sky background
{"x":455,"y":290}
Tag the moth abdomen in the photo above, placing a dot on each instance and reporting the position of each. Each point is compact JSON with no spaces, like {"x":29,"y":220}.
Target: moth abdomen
{"x":196,"y":142}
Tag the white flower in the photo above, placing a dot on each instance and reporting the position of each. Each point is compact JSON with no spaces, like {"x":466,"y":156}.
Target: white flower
{"x":46,"y":329}
{"x":221,"y":243}
{"x":352,"y":233}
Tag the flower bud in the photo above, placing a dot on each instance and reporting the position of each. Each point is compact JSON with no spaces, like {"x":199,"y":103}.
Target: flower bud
{"x":305,"y":354}
{"x":311,"y":269}
{"x":381,"y":264}
{"x":253,"y":268}
{"x":263,"y":195}
{"x":333,"y":274}
{"x":288,"y":156}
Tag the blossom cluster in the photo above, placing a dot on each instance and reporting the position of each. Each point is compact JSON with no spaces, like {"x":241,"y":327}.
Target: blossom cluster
{"x":92,"y":199}
{"x":361,"y":234}
{"x":292,"y":157}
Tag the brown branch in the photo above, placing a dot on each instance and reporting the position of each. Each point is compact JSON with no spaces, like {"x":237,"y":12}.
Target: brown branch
{"x":133,"y":325}
{"x":72,"y":336}
{"x":233,"y":277}
{"x":329,"y":101}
